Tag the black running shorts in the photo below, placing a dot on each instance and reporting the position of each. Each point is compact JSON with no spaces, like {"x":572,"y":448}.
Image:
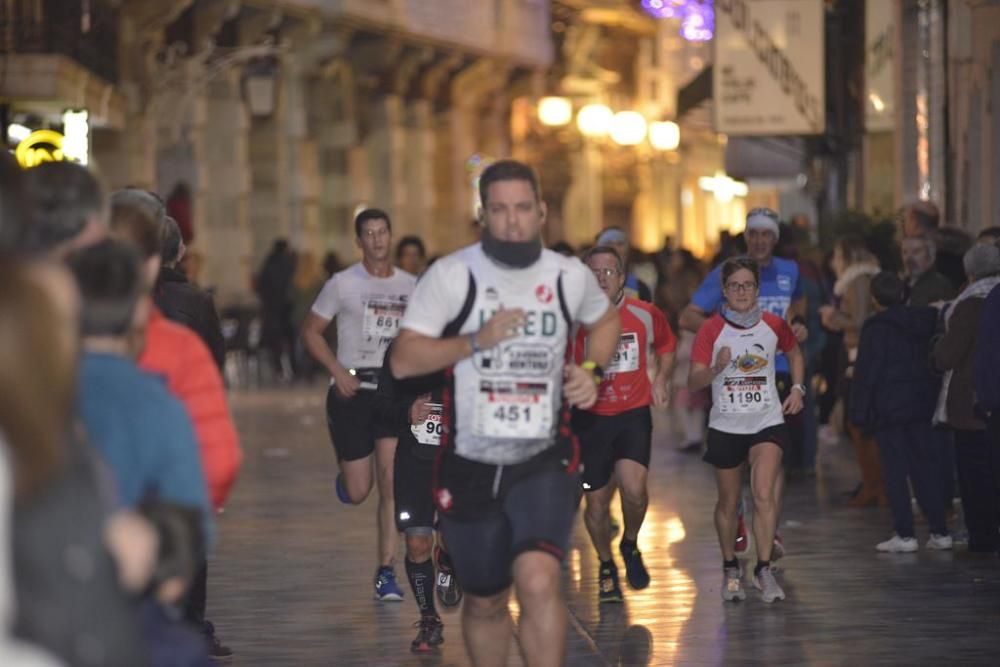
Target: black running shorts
{"x":412,"y":480}
{"x":607,"y":439}
{"x":728,"y":450}
{"x":353,"y":430}
{"x":491,"y":514}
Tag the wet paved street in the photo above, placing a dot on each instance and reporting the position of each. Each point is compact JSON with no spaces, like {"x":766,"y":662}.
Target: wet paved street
{"x":290,"y":583}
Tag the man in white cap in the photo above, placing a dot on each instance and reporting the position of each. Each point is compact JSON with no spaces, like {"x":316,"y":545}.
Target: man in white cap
{"x":780,"y":294}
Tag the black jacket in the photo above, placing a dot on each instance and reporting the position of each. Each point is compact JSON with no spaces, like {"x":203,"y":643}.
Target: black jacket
{"x":185,"y":304}
{"x":893,"y":383}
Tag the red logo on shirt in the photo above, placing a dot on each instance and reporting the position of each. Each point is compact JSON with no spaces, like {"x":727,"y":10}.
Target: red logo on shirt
{"x":544,"y":293}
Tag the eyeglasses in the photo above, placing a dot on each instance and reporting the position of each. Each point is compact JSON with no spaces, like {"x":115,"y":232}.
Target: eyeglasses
{"x":605,"y":273}
{"x":741,"y":287}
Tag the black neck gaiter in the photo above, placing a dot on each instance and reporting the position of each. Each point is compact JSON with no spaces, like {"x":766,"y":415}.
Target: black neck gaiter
{"x":515,"y":254}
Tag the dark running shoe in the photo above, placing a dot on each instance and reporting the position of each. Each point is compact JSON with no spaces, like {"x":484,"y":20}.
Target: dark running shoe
{"x":635,"y":569}
{"x":608,"y":589}
{"x":216,"y":650}
{"x":448,"y":590}
{"x":430,"y":634}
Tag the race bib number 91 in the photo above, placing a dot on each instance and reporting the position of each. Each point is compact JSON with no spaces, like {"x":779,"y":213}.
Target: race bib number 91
{"x":514,"y":409}
{"x":745,"y":395}
{"x":626,"y":357}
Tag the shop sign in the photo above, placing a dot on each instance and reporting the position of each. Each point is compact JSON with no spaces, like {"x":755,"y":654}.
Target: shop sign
{"x":880,"y":37}
{"x":50,"y":146}
{"x":769,"y":77}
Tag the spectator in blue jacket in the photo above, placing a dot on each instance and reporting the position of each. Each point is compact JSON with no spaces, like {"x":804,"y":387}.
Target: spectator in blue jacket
{"x":142,"y":431}
{"x":893,"y":396}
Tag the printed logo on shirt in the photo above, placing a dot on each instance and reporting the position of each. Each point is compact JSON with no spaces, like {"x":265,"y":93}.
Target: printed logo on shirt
{"x":544,"y":293}
{"x":536,"y":322}
{"x":516,"y":359}
{"x":749,"y":362}
{"x":776,"y":305}
{"x":492,"y":294}
{"x":785,"y":283}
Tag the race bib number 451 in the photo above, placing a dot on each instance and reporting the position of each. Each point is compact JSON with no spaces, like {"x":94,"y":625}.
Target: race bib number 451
{"x":514,"y":409}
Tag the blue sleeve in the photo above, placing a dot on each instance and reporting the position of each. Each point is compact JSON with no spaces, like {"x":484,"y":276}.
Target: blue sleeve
{"x":797,"y":287}
{"x":181,"y":478}
{"x":709,"y":294}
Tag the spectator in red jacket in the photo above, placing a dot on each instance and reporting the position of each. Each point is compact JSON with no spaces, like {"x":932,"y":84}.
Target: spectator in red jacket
{"x":179,"y":354}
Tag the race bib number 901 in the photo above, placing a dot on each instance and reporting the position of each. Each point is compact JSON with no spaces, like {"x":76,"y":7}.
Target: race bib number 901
{"x":745,"y":395}
{"x":430,"y":430}
{"x":514,"y":409}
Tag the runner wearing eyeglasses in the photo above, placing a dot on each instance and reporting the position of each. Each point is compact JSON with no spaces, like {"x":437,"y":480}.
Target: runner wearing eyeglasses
{"x":616,"y":432}
{"x":735,"y":352}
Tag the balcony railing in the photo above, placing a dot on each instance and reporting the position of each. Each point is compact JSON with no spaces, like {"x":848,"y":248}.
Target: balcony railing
{"x":86,"y":32}
{"x":518,"y":29}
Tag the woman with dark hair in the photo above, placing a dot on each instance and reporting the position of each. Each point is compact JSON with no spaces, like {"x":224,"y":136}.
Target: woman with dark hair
{"x":59,"y":504}
{"x":734,"y":353}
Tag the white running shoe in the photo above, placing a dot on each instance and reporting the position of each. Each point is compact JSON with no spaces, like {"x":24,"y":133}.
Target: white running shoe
{"x":939,"y":542}
{"x":732,"y":585}
{"x":897,"y":545}
{"x":768,"y":587}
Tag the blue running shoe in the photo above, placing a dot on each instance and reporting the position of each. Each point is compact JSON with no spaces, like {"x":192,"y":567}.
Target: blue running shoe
{"x":386,"y":588}
{"x":341,"y":491}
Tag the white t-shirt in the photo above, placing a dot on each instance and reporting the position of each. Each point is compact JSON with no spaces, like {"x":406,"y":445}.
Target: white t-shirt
{"x":507,"y":399}
{"x":744,"y":395}
{"x":368,"y":311}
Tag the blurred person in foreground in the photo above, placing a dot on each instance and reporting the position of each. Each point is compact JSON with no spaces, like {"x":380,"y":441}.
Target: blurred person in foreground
{"x":955,"y":355}
{"x":854,"y":266}
{"x":892,"y":397}
{"x":987,"y":385}
{"x":179,"y":355}
{"x":178,"y":299}
{"x":84,"y":620}
{"x":143,"y":432}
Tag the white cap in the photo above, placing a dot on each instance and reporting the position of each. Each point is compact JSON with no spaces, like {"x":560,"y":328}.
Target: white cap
{"x":764,"y":219}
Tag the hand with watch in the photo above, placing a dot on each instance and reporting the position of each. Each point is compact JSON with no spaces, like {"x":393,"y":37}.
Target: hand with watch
{"x":795,"y":401}
{"x":580,"y":384}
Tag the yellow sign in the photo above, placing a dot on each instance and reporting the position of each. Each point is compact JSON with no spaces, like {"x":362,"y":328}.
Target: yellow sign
{"x":40,"y":146}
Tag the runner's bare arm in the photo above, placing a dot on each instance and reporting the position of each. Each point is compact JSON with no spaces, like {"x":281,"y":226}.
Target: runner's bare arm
{"x":797,"y":363}
{"x":316,"y":345}
{"x":661,"y":381}
{"x":796,"y":317}
{"x":414,"y":354}
{"x":579,"y":387}
{"x":701,"y":375}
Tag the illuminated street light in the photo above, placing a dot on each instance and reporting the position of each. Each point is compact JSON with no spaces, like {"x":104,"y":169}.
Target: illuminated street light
{"x":555,"y":111}
{"x":628,"y":128}
{"x":723,"y":187}
{"x":664,"y":136}
{"x":594,"y":120}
